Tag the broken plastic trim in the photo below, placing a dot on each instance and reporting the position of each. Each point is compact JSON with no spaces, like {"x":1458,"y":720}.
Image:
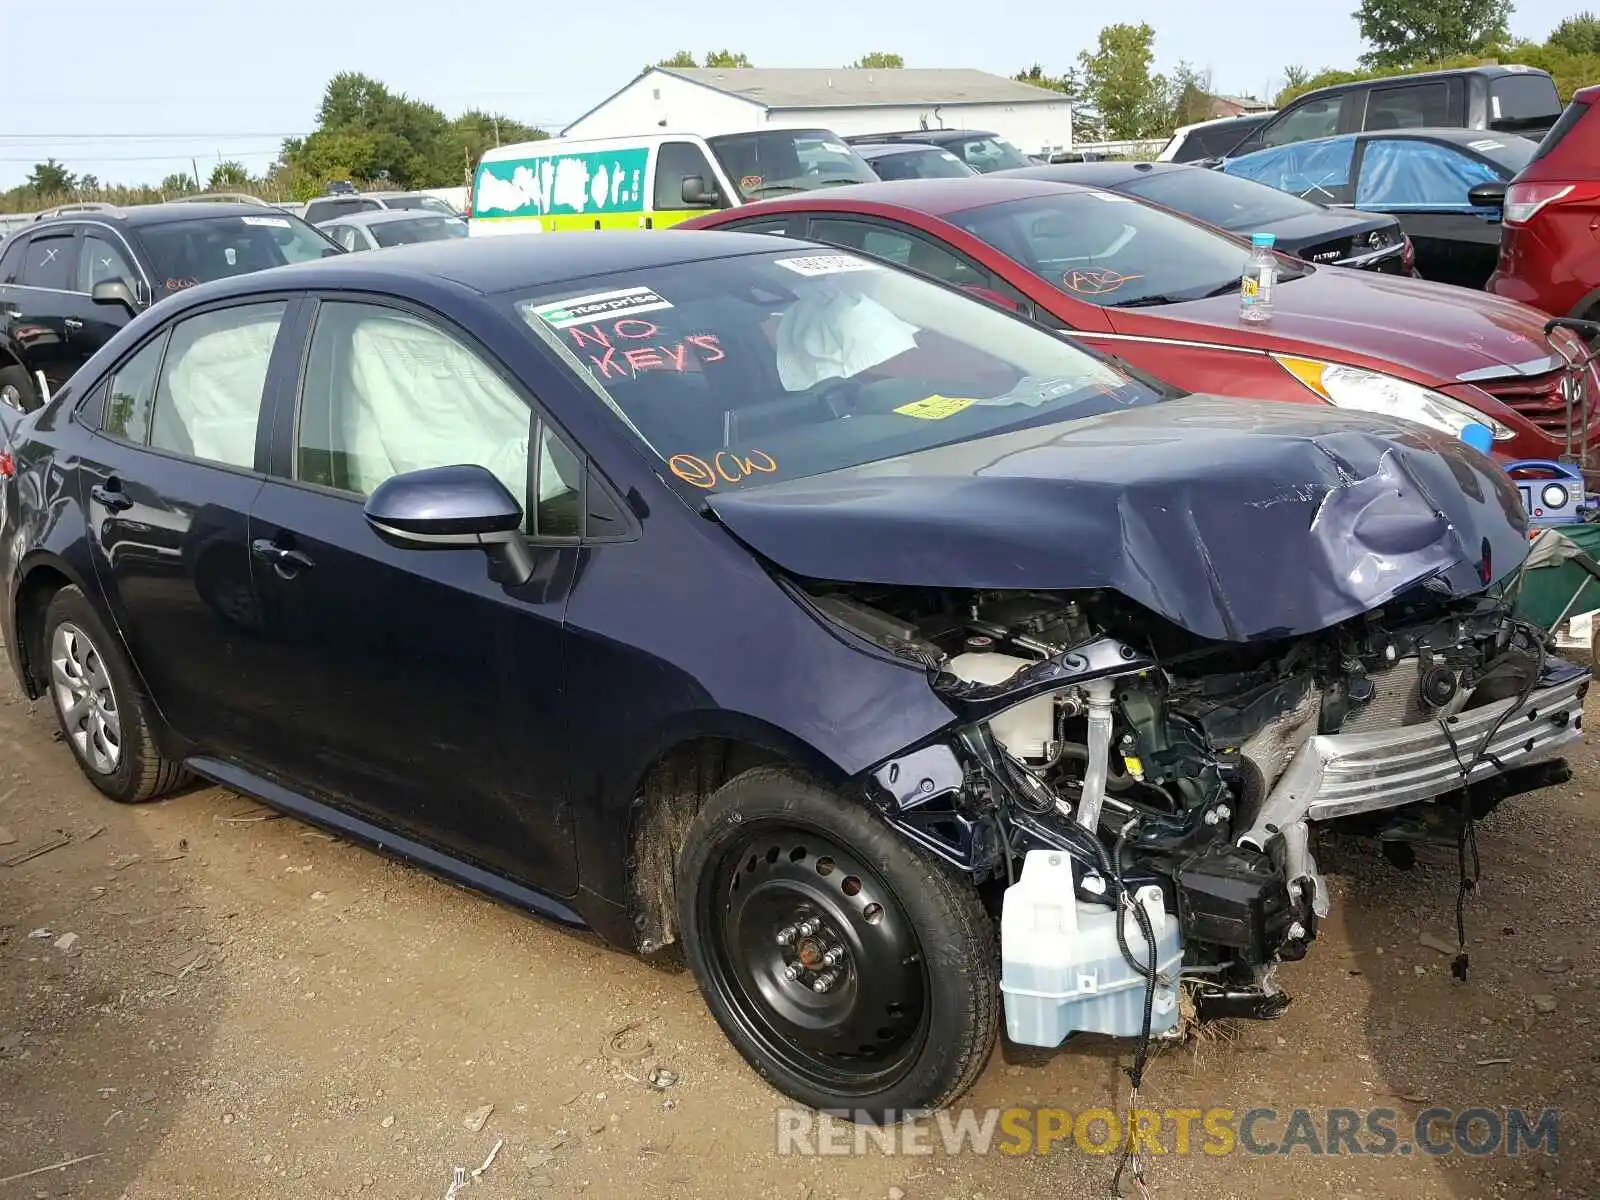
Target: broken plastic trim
{"x":1097,"y":659}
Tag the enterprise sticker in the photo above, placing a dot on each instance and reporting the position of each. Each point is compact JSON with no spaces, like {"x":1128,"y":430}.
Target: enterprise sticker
{"x":580,"y":310}
{"x":827,"y":264}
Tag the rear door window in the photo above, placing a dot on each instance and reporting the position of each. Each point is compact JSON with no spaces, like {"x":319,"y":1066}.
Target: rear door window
{"x":48,"y":262}
{"x":1415,"y":106}
{"x":901,"y":247}
{"x":208,"y":397}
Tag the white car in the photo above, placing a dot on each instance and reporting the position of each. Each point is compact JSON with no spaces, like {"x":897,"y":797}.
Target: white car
{"x":392,"y":227}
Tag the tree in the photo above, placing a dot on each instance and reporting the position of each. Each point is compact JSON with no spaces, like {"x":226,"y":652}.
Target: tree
{"x":1401,"y":32}
{"x":50,"y":178}
{"x":1068,"y":84}
{"x":476,"y":131}
{"x":89,"y":184}
{"x":726,"y":58}
{"x":1117,"y":82}
{"x":878,"y":60}
{"x":227,"y":175}
{"x":1189,"y":97}
{"x":683,"y":58}
{"x":1578,"y":34}
{"x":1295,"y":77}
{"x":177,"y":184}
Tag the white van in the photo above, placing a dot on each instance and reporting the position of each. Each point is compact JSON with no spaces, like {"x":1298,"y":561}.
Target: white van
{"x":650,"y":181}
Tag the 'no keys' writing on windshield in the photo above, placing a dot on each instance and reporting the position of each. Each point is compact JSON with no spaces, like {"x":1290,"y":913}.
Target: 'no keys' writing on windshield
{"x":623,"y":348}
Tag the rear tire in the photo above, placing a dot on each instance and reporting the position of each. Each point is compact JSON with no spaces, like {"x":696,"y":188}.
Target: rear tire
{"x":104,"y":719}
{"x":17,"y":390}
{"x":777,"y":874}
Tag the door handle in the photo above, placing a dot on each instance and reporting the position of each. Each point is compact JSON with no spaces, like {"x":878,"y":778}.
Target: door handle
{"x":111,"y":495}
{"x":285,"y":560}
{"x":72,"y":323}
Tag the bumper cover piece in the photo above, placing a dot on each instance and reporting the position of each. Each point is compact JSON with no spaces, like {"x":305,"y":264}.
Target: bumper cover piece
{"x":1341,"y":775}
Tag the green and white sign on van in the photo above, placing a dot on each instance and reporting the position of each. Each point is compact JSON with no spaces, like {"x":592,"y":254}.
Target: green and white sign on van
{"x":558,"y":187}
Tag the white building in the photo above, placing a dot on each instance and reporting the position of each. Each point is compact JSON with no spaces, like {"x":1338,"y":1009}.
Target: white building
{"x":713,"y":100}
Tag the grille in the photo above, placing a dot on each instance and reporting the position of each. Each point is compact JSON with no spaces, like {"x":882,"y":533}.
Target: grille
{"x":1543,"y":399}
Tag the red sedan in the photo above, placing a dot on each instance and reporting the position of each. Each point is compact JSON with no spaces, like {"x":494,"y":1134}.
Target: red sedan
{"x":1162,"y":292}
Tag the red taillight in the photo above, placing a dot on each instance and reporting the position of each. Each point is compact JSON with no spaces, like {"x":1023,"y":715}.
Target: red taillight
{"x":1524,"y":200}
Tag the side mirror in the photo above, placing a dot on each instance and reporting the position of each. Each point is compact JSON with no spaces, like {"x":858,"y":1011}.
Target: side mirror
{"x":114,"y":291}
{"x":696,"y":194}
{"x":447,"y":508}
{"x":1488,"y":195}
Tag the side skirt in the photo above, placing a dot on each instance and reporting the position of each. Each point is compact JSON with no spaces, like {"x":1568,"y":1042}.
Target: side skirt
{"x":386,"y":842}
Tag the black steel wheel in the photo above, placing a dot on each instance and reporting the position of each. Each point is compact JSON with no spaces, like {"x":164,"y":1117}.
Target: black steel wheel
{"x":849,"y":968}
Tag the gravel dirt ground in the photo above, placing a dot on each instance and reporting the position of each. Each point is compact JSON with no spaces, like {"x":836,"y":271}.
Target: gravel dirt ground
{"x":213,"y":1002}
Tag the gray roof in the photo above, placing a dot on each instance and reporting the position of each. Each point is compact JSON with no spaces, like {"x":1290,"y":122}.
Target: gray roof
{"x":827,"y":87}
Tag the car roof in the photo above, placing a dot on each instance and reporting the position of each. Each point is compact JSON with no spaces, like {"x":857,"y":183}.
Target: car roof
{"x":1488,"y":71}
{"x":1095,"y":174}
{"x":385,"y":216}
{"x":1460,"y":137}
{"x":137,"y":215}
{"x":936,"y":197}
{"x":494,"y":265}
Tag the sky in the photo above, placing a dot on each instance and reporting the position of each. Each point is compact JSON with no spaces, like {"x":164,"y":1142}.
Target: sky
{"x":133,"y":92}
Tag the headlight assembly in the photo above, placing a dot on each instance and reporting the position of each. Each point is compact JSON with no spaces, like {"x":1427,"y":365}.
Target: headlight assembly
{"x":1370,"y":391}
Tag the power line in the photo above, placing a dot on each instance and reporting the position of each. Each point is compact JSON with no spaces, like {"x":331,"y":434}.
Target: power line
{"x":175,"y":156}
{"x":140,"y":137}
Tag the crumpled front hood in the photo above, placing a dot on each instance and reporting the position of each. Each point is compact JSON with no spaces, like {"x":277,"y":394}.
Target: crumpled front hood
{"x":1233,"y":519}
{"x":1433,"y":330}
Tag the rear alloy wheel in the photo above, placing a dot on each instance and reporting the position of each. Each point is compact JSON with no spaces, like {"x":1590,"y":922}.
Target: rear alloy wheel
{"x":102,"y":715}
{"x":852,"y":970}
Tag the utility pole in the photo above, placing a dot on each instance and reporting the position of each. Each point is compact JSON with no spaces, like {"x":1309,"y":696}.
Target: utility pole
{"x":497,"y":130}
{"x":195,"y":167}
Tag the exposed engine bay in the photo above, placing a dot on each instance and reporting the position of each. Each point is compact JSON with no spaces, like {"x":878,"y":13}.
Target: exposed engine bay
{"x":1179,"y":778}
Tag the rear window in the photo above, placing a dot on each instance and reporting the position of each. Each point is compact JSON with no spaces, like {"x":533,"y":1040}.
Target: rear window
{"x":182,"y":254}
{"x":929,"y":163}
{"x":988,"y":153}
{"x":741,"y":371}
{"x":1575,"y":112}
{"x":427,"y":203}
{"x":417,"y":229}
{"x":1518,"y":101}
{"x":1225,"y":201}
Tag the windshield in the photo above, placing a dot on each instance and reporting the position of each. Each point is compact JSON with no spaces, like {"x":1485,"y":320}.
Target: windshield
{"x":185,"y":253}
{"x":1106,"y":249}
{"x":416,"y":229}
{"x":925,"y":162}
{"x":1519,"y":102}
{"x":736,"y":372}
{"x":777,"y":161}
{"x":427,"y":203}
{"x":986,"y":153}
{"x":1225,"y":201}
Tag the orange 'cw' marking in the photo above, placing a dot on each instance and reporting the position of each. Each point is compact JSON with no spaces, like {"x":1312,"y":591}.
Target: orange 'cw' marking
{"x":724,"y":467}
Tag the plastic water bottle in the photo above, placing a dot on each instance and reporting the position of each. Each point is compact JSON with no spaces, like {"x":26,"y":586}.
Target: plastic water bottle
{"x":1260,"y":275}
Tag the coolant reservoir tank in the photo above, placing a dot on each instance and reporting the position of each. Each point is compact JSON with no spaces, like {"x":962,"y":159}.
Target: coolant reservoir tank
{"x":1026,"y":729}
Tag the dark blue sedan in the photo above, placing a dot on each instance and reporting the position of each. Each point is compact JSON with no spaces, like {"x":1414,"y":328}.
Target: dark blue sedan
{"x":741,"y":593}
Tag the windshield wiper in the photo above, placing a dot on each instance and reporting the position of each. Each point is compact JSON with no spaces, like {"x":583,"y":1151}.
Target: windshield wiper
{"x":773,"y":187}
{"x":1151,"y":301}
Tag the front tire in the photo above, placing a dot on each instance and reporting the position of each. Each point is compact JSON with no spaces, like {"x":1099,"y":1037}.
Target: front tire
{"x":852,"y":970}
{"x":17,"y":390}
{"x":103,"y":718}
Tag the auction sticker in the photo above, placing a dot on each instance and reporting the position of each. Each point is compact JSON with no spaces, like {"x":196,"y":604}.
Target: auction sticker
{"x":827,"y":264}
{"x":580,"y":310}
{"x":934,"y":408}
{"x":270,"y":222}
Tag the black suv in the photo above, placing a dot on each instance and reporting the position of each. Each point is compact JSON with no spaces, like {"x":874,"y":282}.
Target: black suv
{"x":68,"y":282}
{"x":1505,"y":99}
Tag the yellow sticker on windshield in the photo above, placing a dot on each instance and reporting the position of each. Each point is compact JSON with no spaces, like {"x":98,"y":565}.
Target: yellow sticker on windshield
{"x":934,"y":408}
